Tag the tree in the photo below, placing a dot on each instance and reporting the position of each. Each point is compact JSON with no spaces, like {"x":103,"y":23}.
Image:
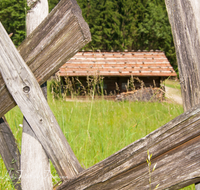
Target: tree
{"x":128,"y":18}
{"x":114,"y":24}
{"x":12,"y":16}
{"x":52,"y":4}
{"x":127,"y":24}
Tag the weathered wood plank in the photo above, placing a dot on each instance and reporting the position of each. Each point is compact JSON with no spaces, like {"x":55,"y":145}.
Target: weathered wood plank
{"x":35,"y":165}
{"x":55,"y":41}
{"x":27,"y":93}
{"x":185,"y":23}
{"x":197,"y":186}
{"x":10,"y":153}
{"x":175,"y":148}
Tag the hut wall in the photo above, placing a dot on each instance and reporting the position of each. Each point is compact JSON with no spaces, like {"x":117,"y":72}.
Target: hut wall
{"x":122,"y":83}
{"x":116,"y":85}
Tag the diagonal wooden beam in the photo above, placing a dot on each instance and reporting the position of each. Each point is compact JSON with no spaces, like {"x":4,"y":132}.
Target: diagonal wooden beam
{"x":27,"y":93}
{"x":175,"y":148}
{"x":50,"y":45}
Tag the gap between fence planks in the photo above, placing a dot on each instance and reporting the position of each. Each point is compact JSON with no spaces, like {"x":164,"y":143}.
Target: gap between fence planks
{"x":10,"y":153}
{"x":175,"y":148}
{"x":27,"y":93}
{"x":50,"y":45}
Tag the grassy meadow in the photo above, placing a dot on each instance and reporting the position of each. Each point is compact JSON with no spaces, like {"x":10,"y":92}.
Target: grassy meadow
{"x":172,"y":84}
{"x":95,"y":129}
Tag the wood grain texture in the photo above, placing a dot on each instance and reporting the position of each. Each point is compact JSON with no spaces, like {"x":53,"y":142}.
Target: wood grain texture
{"x":10,"y":153}
{"x":50,"y":45}
{"x":35,"y":165}
{"x":175,"y":148}
{"x":184,"y":17}
{"x":39,"y":10}
{"x":27,"y":93}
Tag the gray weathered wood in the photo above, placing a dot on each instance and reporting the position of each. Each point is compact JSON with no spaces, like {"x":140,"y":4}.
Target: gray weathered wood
{"x":10,"y":153}
{"x":184,"y":17}
{"x":197,"y":186}
{"x":35,"y":165}
{"x":27,"y":93}
{"x":175,"y":148}
{"x":55,"y":41}
{"x":39,"y":10}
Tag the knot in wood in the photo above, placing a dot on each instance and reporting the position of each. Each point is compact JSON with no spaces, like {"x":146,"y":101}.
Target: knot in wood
{"x":26,"y":89}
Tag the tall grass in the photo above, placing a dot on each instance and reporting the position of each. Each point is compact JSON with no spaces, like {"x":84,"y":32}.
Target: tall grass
{"x":113,"y":125}
{"x":96,"y":129}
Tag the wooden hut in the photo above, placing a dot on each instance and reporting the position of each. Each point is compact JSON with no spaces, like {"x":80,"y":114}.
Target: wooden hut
{"x":146,"y":68}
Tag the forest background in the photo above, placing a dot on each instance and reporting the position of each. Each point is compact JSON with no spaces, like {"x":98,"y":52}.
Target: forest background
{"x":114,"y":24}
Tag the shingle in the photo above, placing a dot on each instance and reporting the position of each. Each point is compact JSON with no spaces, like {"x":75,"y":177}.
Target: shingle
{"x":139,"y":63}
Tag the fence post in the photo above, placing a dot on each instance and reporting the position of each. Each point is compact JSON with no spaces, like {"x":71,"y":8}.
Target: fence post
{"x":185,"y":23}
{"x":10,"y":153}
{"x":50,"y":45}
{"x":27,"y":93}
{"x":35,"y":165}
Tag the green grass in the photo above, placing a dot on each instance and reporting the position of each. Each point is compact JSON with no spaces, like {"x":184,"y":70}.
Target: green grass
{"x":113,"y":125}
{"x":191,"y":187}
{"x":172,"y":83}
{"x":97,"y":129}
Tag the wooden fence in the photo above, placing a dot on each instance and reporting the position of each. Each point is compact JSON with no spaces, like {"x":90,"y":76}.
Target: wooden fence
{"x":175,"y":146}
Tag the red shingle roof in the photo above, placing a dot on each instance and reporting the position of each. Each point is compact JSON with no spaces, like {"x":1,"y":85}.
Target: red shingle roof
{"x":118,"y":64}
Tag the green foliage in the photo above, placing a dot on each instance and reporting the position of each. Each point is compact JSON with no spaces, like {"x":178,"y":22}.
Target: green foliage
{"x":55,"y":87}
{"x":114,"y":24}
{"x":149,"y":156}
{"x":113,"y":125}
{"x":73,"y":87}
{"x":52,"y":4}
{"x":127,"y":24}
{"x":12,"y":16}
